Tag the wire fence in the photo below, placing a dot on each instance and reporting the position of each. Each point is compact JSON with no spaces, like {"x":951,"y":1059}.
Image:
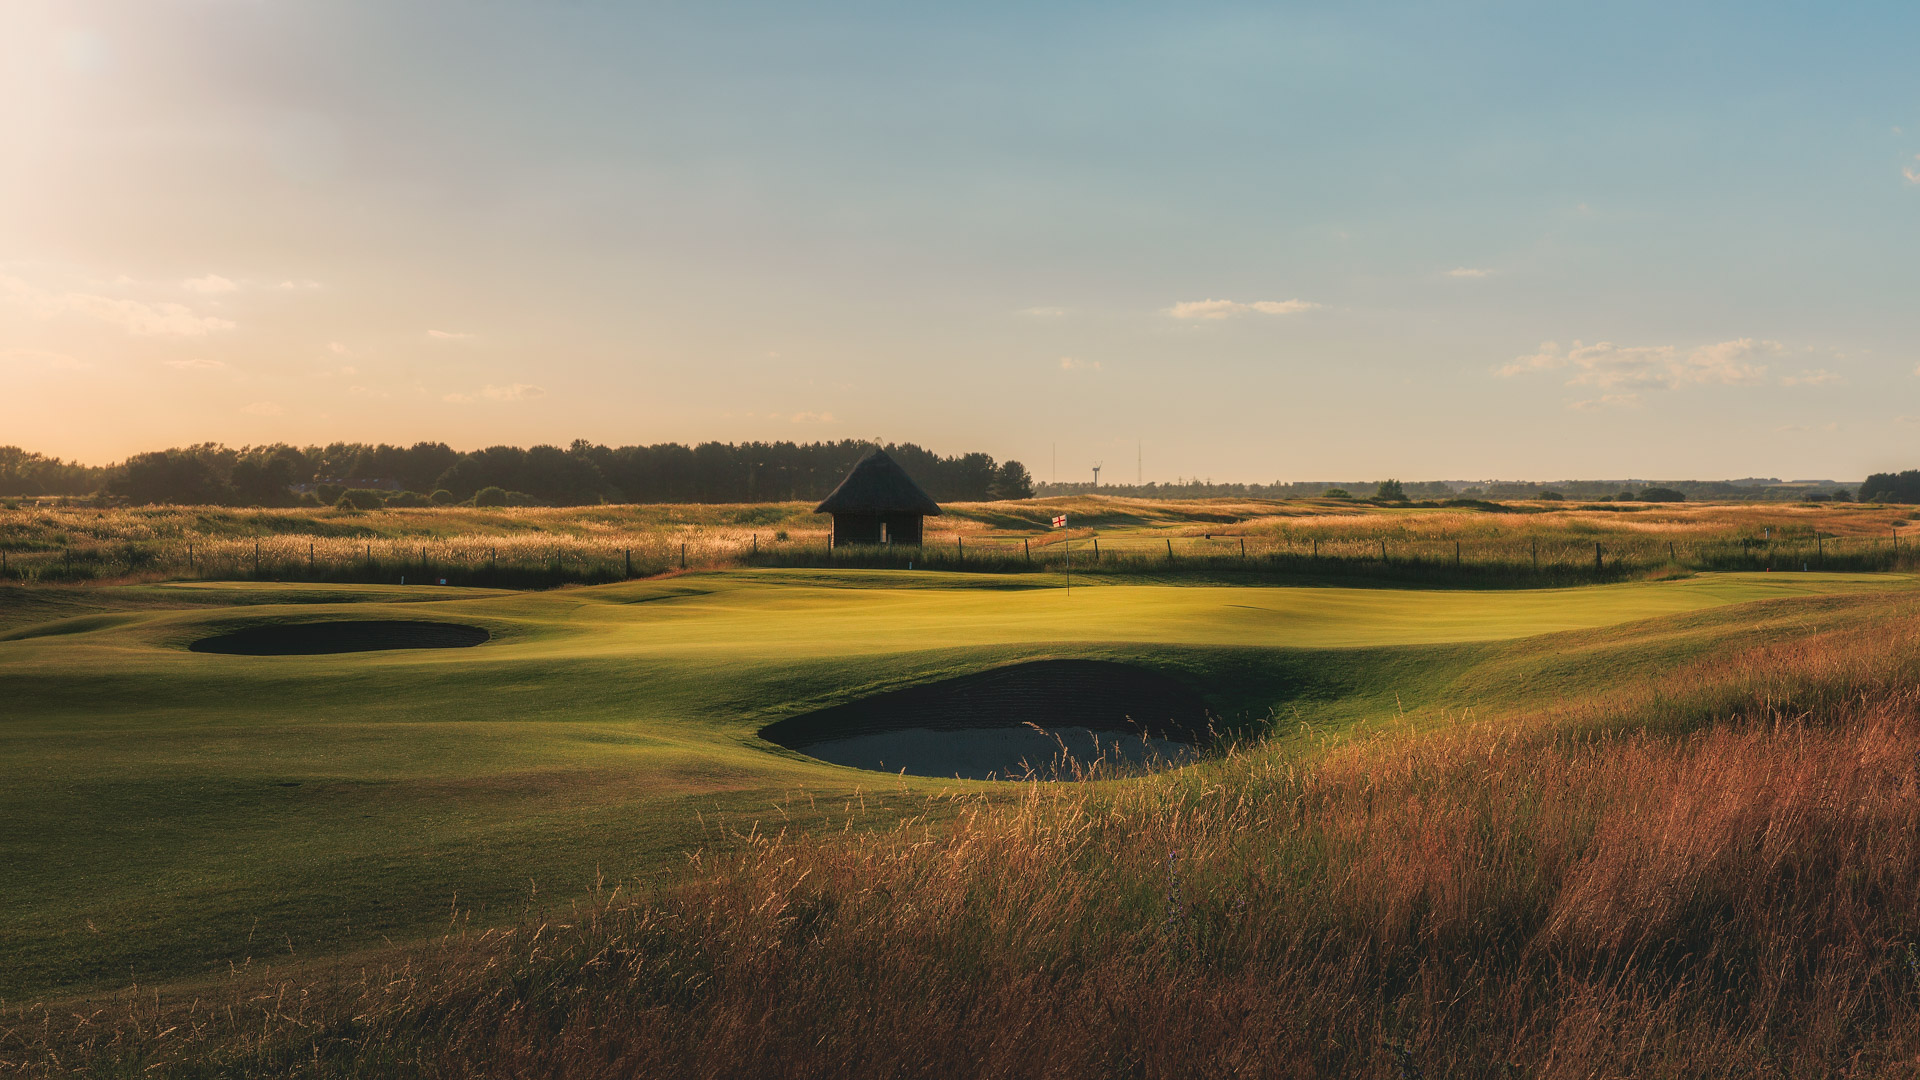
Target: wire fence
{"x":534,"y":562}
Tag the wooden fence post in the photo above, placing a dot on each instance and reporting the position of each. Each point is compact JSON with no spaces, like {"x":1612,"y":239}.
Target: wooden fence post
{"x":1456,"y":553}
{"x":683,"y":554}
{"x":309,"y":558}
{"x":1596,"y":557}
{"x":189,"y":556}
{"x":1536,"y":554}
{"x":629,"y":562}
{"x":1243,"y":549}
{"x":256,"y":558}
{"x":1169,"y":551}
{"x":1096,"y":549}
{"x":1026,"y":546}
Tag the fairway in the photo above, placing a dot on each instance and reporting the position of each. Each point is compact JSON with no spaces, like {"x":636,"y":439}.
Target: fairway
{"x":172,"y":811}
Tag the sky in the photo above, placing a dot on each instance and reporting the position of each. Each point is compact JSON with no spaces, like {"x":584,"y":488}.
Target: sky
{"x":1237,"y":242}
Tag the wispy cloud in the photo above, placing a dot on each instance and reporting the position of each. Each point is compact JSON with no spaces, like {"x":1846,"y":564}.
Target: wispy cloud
{"x":1813,"y":377}
{"x":450,"y":335}
{"x":1227,"y":309}
{"x":1608,"y":366}
{"x":1045,"y":312}
{"x":45,"y":358}
{"x":196,"y":364}
{"x":1912,"y":173}
{"x":1469,"y":272}
{"x":1069,"y":363}
{"x":211,"y":283}
{"x":137,"y":317}
{"x":510,"y":392}
{"x":1605,"y":401}
{"x":812,"y":418}
{"x":263,"y":408}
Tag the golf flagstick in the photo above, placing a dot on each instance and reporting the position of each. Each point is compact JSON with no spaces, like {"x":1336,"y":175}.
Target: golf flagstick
{"x":1060,"y":522}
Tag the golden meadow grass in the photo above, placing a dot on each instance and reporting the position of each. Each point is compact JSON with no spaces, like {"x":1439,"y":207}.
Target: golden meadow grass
{"x":1709,"y":872}
{"x":523,"y":547}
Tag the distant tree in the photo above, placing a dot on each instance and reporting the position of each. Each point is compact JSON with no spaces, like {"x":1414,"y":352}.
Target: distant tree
{"x":442,"y":497}
{"x":193,"y":476}
{"x":1843,"y":495}
{"x":490,"y":496}
{"x":1336,"y":493}
{"x":1391,"y":490}
{"x":267,"y":480}
{"x":1662,"y":494}
{"x":1900,"y":487}
{"x":1011,"y":482}
{"x":359,"y":499}
{"x":1550,"y":496}
{"x":23,"y":472}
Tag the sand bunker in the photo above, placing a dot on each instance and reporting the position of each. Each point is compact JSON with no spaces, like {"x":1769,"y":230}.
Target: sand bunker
{"x":306,"y":639}
{"x":1053,"y":718}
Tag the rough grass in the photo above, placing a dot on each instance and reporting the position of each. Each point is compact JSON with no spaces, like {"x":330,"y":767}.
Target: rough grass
{"x":1526,"y":544}
{"x":1714,"y":871}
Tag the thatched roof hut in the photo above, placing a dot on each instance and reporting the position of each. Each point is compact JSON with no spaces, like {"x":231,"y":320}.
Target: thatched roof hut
{"x":878,"y":503}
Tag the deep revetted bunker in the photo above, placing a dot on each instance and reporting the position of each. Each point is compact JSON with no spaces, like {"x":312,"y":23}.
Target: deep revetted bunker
{"x":356,"y":635}
{"x":1049,"y":718}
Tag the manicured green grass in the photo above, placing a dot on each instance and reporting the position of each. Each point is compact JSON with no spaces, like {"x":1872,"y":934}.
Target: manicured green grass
{"x":171,"y":812}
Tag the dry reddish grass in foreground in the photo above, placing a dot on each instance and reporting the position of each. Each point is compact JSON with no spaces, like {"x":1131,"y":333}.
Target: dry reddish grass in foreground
{"x":1562,"y":895}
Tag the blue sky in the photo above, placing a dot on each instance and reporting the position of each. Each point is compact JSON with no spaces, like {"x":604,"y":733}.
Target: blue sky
{"x":1270,"y":242}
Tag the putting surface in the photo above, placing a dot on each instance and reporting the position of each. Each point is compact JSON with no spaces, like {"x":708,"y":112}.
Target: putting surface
{"x":172,"y":811}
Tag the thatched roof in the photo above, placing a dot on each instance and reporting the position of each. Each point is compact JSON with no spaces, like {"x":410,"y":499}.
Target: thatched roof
{"x":878,"y":485}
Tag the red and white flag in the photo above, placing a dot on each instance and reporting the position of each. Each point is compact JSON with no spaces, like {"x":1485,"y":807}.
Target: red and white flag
{"x":1060,"y":522}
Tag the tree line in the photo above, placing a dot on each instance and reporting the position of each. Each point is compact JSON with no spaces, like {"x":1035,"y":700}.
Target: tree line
{"x":582,"y":473}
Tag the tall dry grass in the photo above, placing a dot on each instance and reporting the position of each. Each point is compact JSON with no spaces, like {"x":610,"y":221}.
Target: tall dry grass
{"x":1712,"y":872}
{"x":1525,"y":545}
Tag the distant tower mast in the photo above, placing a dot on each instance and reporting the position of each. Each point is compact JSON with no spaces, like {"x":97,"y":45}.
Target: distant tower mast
{"x":1096,"y":476}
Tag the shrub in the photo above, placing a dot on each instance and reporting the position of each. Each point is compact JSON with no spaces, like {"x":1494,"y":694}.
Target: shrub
{"x":310,"y":499}
{"x":1337,"y":493}
{"x":1900,"y":487}
{"x":359,"y":499}
{"x":1391,"y":490}
{"x":330,"y":493}
{"x":1551,"y":496}
{"x":781,"y":536}
{"x":441,"y":497}
{"x":490,"y":496}
{"x":1662,"y":494}
{"x":407,"y":499}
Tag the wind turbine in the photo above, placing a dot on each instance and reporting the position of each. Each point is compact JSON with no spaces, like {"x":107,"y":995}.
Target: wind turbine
{"x":1096,"y":476}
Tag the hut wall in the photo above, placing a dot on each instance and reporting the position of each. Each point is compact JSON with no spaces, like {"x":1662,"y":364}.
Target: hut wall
{"x":903,"y":529}
{"x":855,"y":529}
